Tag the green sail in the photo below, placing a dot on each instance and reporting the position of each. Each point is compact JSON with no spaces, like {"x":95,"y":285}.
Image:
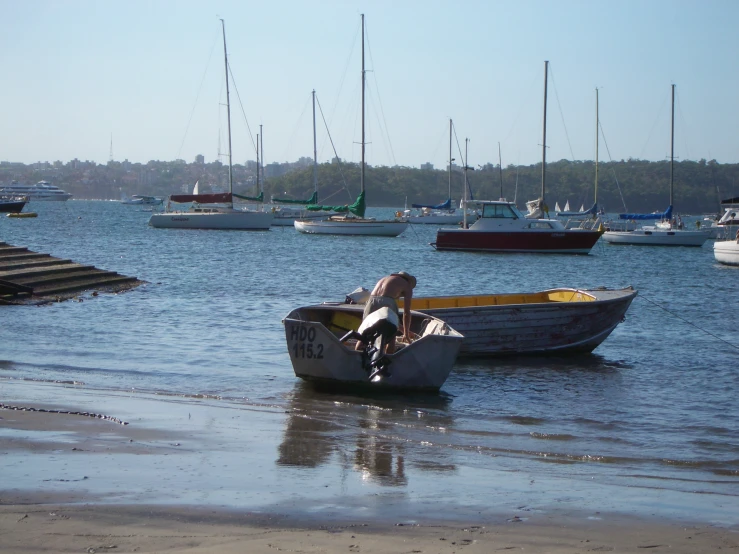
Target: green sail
{"x":312,"y":200}
{"x":357,"y":208}
{"x":259,"y":198}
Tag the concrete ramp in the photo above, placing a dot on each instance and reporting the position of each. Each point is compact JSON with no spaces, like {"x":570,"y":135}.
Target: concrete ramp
{"x":28,"y":277}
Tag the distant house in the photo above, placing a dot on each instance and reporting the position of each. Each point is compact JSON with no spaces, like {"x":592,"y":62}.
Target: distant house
{"x":427,"y":166}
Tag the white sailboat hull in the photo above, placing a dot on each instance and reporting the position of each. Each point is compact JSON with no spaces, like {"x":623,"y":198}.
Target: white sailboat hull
{"x":352,"y":226}
{"x":726,"y":252}
{"x":287,"y":218}
{"x":235,"y":220}
{"x":439,"y":219}
{"x":657,"y":237}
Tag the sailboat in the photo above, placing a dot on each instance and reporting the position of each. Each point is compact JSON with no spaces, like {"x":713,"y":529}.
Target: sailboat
{"x":662,"y":235}
{"x":288,"y":210}
{"x":503,"y":228}
{"x":208,"y":210}
{"x":439,"y":214}
{"x":355,"y":223}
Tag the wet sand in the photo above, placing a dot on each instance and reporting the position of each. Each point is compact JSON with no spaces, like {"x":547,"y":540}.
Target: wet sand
{"x":185,"y":476}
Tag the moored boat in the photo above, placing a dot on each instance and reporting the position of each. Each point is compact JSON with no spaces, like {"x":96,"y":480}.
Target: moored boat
{"x":43,"y":190}
{"x":12,"y":204}
{"x":554,"y":321}
{"x":727,"y":251}
{"x":503,"y":228}
{"x":314,"y":333}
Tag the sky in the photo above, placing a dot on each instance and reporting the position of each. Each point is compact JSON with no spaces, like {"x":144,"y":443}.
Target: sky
{"x":148,"y":78}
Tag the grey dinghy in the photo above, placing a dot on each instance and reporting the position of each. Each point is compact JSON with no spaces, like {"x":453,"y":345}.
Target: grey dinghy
{"x":314,"y":340}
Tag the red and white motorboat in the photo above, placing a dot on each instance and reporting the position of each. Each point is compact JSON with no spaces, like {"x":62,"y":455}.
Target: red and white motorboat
{"x":503,"y":228}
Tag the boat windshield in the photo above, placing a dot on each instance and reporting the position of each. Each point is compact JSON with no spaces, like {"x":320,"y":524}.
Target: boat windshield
{"x":501,"y":211}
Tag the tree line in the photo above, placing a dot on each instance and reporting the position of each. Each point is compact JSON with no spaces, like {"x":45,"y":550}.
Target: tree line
{"x":626,"y":185}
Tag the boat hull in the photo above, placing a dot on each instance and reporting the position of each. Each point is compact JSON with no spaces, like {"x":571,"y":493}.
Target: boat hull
{"x":12,"y":206}
{"x":317,"y":354}
{"x":726,"y":252}
{"x":559,"y":321}
{"x":574,"y":241}
{"x":657,"y":237}
{"x":352,"y":226}
{"x":237,"y":220}
{"x":288,"y":220}
{"x":438,"y":219}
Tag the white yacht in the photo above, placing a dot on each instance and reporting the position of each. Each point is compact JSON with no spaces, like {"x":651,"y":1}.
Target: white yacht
{"x":43,"y":190}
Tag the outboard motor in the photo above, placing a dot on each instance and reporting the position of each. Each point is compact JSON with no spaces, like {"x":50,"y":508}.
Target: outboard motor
{"x":375,"y":332}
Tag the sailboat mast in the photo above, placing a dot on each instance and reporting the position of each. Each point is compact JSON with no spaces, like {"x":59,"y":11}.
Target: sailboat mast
{"x":228,"y":110}
{"x":544,"y":138}
{"x":597,"y":130}
{"x":257,"y":164}
{"x":466,"y":167}
{"x":361,"y":178}
{"x":449,"y":195}
{"x":315,"y":150}
{"x":261,"y":155}
{"x":500,"y":171}
{"x":672,"y":142}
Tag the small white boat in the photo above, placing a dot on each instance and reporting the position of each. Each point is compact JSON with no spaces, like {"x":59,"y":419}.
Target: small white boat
{"x":726,"y":252}
{"x":655,"y":236}
{"x":314,"y":341}
{"x":141,"y":200}
{"x":349,"y":225}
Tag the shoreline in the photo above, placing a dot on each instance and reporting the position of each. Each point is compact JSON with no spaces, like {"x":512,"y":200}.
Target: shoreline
{"x":173,"y":480}
{"x":95,"y":528}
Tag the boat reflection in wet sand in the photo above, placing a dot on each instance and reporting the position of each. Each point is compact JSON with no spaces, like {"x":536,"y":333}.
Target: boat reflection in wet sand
{"x":321,"y":341}
{"x":556,"y":321}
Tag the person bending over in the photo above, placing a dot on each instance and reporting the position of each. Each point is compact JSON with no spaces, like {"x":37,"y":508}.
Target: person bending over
{"x":386,"y":292}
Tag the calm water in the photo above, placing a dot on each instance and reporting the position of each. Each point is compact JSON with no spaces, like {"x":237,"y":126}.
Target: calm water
{"x":654,"y":407}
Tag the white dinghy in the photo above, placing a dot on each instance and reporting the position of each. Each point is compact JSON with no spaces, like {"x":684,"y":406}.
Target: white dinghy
{"x":321,"y":340}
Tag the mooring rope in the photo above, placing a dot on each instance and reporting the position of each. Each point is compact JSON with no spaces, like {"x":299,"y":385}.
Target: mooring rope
{"x":689,"y":322}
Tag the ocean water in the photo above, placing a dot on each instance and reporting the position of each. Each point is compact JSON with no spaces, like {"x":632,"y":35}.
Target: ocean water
{"x":652,"y":413}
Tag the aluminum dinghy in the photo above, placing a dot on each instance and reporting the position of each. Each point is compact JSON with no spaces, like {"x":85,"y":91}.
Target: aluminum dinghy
{"x":314,"y":333}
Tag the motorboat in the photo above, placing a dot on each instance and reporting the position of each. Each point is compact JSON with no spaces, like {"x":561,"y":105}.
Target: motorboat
{"x":554,"y":321}
{"x":322,"y":343}
{"x":503,"y":228}
{"x":12,"y":204}
{"x":726,"y":252}
{"x":43,"y":190}
{"x":429,"y":216}
{"x":139,"y":200}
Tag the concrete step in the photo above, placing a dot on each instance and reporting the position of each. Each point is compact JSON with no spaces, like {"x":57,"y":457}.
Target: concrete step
{"x":15,"y":274}
{"x":62,"y":276}
{"x":27,"y":255}
{"x":112,"y":280}
{"x":32,"y":263}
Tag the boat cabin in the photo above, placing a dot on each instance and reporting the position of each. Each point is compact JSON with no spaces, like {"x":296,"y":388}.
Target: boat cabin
{"x":500,"y":213}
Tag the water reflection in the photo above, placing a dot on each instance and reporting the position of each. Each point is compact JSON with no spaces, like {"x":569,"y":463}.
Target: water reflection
{"x":384,"y":438}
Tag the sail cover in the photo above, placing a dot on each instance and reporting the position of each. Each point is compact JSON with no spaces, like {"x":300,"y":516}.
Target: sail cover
{"x":220,"y":198}
{"x":357,"y":208}
{"x":666,"y":215}
{"x":312,"y":200}
{"x":592,"y":211}
{"x":259,"y":198}
{"x":444,"y":206}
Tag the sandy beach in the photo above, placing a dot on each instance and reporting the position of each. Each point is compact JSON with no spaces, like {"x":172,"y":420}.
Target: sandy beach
{"x":56,"y":497}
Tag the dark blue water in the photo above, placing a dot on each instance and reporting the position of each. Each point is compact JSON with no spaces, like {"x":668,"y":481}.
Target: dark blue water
{"x":654,"y":407}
